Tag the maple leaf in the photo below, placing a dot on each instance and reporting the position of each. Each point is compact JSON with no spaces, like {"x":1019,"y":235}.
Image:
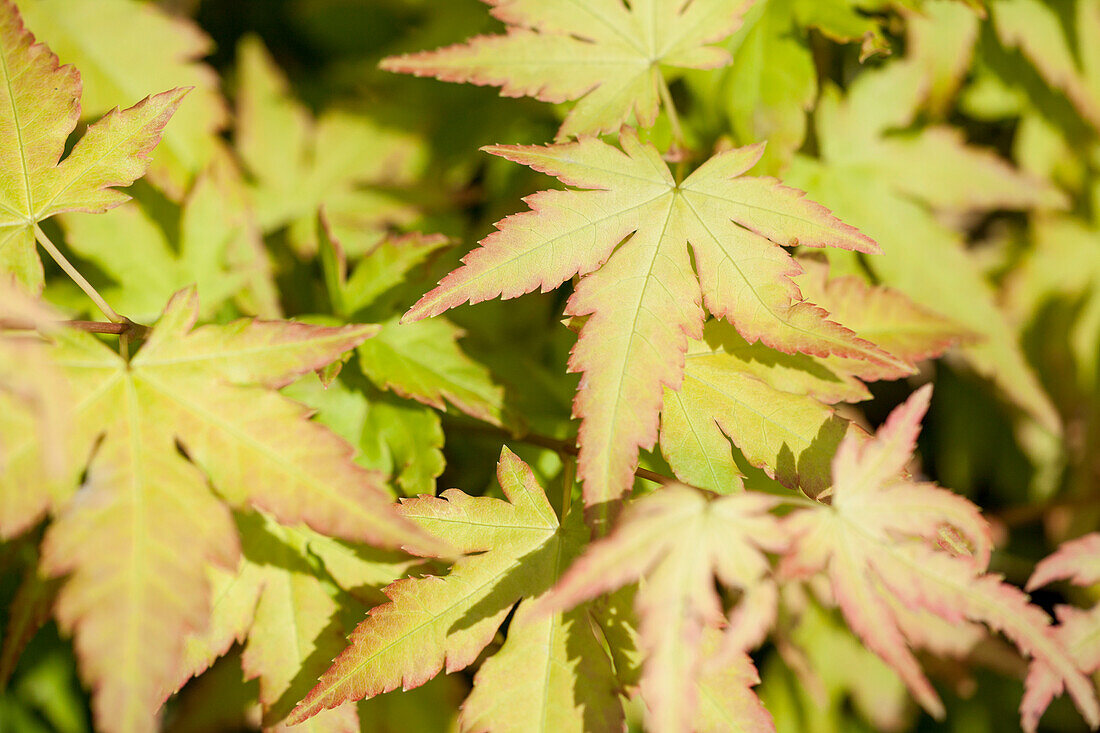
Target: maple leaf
{"x":432,"y":623}
{"x":300,"y":164}
{"x":281,"y":606}
{"x":192,"y":406}
{"x":39,"y":107}
{"x":607,"y":54}
{"x":888,"y":183}
{"x":118,"y":66}
{"x":879,"y":314}
{"x":726,"y":699}
{"x":763,"y":402}
{"x":678,"y":541}
{"x":628,"y":236}
{"x":419,"y":361}
{"x":774,"y":406}
{"x":940,"y":37}
{"x":1079,"y":562}
{"x":880,"y":545}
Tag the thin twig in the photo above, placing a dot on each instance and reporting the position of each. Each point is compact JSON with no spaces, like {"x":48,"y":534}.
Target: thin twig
{"x":72,"y":272}
{"x":134,"y":330}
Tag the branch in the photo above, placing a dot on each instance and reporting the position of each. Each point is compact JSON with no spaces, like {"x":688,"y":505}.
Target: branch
{"x":124,"y":328}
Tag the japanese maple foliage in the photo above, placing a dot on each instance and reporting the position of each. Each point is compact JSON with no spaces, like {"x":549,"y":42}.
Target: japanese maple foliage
{"x":238,"y":376}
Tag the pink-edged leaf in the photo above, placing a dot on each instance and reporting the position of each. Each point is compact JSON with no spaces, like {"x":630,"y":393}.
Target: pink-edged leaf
{"x":679,"y":542}
{"x":881,"y":315}
{"x":39,"y":108}
{"x":168,"y":438}
{"x":605,"y":53}
{"x":881,"y":551}
{"x":726,"y":699}
{"x":631,"y":236}
{"x":1077,"y":561}
{"x":434,"y":623}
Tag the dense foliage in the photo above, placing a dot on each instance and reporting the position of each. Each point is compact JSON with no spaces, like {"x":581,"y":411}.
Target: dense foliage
{"x":777,"y":407}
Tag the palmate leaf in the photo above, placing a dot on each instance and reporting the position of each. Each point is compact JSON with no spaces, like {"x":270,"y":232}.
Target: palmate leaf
{"x":158,"y":50}
{"x":282,"y":606}
{"x":629,"y":237}
{"x":881,"y":546}
{"x":771,"y":83}
{"x":678,"y":541}
{"x":137,"y":536}
{"x":516,"y":550}
{"x":1079,"y":562}
{"x":775,"y":407}
{"x":605,"y":53}
{"x":39,"y":107}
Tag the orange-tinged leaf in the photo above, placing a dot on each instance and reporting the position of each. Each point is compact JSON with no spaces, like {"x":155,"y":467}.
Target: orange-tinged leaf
{"x":605,"y":53}
{"x":158,"y":49}
{"x":516,"y":550}
{"x":191,"y":411}
{"x":878,"y":544}
{"x":628,"y":236}
{"x":678,"y":541}
{"x":39,"y":107}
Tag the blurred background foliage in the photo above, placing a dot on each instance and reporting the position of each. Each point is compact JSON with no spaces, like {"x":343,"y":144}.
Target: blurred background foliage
{"x":384,"y":155}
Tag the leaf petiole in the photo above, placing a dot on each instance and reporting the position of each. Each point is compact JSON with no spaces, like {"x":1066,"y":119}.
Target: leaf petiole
{"x":73,"y":273}
{"x":679,"y":143}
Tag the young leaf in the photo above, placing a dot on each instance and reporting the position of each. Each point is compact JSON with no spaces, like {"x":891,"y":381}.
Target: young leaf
{"x":678,"y":541}
{"x":39,"y":107}
{"x":516,"y":550}
{"x":192,"y":407}
{"x":158,"y":50}
{"x":726,"y":699}
{"x":607,"y":54}
{"x":880,"y":545}
{"x":1079,"y":562}
{"x":645,"y":302}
